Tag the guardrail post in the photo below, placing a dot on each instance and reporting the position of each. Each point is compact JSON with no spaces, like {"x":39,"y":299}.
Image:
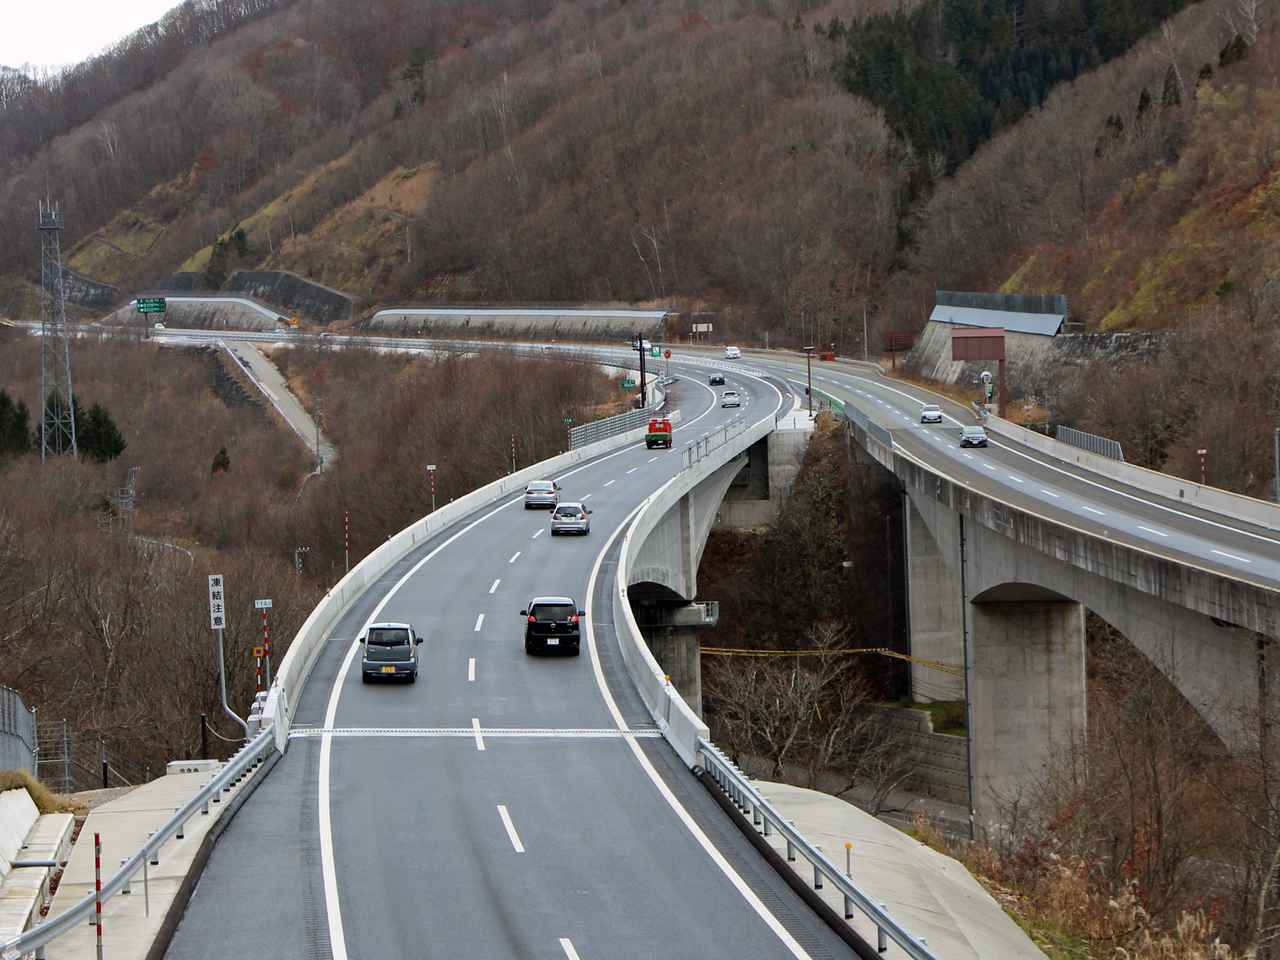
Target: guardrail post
{"x":767,"y":828}
{"x":882,"y":942}
{"x":154,"y":857}
{"x":791,"y":852}
{"x":817,"y":878}
{"x":128,"y":881}
{"x":182,"y":829}
{"x":848,"y":862}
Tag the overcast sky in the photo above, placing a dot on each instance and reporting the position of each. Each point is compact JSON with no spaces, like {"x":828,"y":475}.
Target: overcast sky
{"x":59,"y":32}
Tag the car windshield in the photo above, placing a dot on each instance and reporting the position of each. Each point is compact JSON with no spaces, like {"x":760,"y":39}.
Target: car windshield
{"x":932,"y":408}
{"x":973,"y":431}
{"x":539,"y":486}
{"x":551,"y":612}
{"x":388,"y":637}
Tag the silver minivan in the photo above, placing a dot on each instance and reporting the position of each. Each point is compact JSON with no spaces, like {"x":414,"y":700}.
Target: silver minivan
{"x":390,"y":652}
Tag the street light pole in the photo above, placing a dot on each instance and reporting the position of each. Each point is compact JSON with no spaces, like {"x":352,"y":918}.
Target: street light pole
{"x":640,"y":348}
{"x":808,"y":366}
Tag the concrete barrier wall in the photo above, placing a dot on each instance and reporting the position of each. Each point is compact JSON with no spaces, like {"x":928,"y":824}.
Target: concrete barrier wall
{"x":566,"y":324}
{"x":1250,"y":510}
{"x":679,"y":724}
{"x":311,"y":637}
{"x":17,"y":815}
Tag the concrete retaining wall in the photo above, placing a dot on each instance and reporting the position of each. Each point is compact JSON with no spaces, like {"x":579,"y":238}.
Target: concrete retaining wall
{"x":299,"y":296}
{"x":941,"y":759}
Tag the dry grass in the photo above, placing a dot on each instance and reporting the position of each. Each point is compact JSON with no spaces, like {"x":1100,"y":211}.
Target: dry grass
{"x":46,"y":800}
{"x":1067,"y":915}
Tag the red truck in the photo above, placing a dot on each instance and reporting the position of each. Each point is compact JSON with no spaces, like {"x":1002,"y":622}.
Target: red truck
{"x":658,"y":434}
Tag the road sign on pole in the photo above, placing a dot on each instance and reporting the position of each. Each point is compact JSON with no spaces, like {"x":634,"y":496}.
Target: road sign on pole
{"x":667,"y":354}
{"x":653,"y":351}
{"x":628,"y":384}
{"x":150,"y":304}
{"x":431,"y":472}
{"x":262,"y":604}
{"x":217,"y":603}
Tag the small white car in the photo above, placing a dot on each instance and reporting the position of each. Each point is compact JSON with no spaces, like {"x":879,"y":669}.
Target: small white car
{"x":732,"y":353}
{"x":730,"y":398}
{"x":159,"y":326}
{"x":931,"y":413}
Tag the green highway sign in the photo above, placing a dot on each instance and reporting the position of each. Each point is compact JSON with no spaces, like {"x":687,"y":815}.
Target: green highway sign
{"x":567,"y":421}
{"x":653,"y":351}
{"x":628,"y":384}
{"x":150,"y":304}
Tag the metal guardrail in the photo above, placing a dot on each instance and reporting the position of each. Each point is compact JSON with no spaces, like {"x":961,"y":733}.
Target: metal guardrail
{"x":698,"y":449}
{"x":17,"y":732}
{"x":737,"y":787}
{"x":1103,"y":446}
{"x":236,"y":769}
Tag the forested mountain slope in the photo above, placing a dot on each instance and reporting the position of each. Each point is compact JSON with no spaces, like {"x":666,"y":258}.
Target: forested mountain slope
{"x":790,"y":168}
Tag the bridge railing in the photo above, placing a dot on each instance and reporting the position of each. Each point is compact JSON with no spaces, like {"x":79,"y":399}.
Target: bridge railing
{"x":240,"y":766}
{"x":1103,"y":446}
{"x":737,"y":786}
{"x":586,"y":433}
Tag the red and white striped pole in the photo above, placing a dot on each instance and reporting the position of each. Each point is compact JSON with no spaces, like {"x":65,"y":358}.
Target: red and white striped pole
{"x":513,"y":453}
{"x":97,"y":888}
{"x":346,"y":539}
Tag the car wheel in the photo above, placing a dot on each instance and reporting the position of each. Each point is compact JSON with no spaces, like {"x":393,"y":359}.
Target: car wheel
{"x":577,"y":649}
{"x":364,"y":678}
{"x":413,"y":677}
{"x":528,"y":647}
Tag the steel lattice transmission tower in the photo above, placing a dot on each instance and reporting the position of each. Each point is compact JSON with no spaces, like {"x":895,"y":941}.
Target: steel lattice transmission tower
{"x":57,"y":404}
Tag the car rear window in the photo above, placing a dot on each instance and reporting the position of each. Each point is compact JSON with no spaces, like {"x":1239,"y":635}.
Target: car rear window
{"x":567,"y":513}
{"x":388,"y":637}
{"x":551,"y":612}
{"x":540,"y":486}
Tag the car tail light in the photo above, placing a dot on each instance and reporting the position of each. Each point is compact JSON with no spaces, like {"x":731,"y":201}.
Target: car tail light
{"x":574,"y":618}
{"x":532,"y":618}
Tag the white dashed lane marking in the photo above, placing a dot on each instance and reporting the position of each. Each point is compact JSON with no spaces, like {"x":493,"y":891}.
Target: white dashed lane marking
{"x":1158,"y":533}
{"x":479,"y":622}
{"x":514,"y":557}
{"x":494,"y":588}
{"x":536,"y":535}
{"x":1231,"y":556}
{"x":1101,"y":513}
{"x":511,"y":829}
{"x":609,"y":483}
{"x":471,"y":670}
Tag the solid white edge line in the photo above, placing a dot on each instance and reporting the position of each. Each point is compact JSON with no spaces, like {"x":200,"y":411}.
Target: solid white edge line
{"x":494,"y":588}
{"x":511,"y":829}
{"x":479,"y":623}
{"x":475,"y":729}
{"x":690,"y":824}
{"x":328,"y":867}
{"x":567,"y":946}
{"x":471,"y":669}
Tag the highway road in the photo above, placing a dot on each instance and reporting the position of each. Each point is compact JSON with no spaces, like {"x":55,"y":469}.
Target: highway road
{"x":504,"y":805}
{"x":1031,"y":480}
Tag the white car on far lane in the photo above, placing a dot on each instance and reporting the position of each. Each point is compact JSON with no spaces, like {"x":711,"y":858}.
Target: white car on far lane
{"x":931,"y":413}
{"x":730,"y":398}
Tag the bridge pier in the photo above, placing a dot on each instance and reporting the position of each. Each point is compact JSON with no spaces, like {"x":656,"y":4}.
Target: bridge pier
{"x":1027,"y":689}
{"x":935,"y":615}
{"x":672,"y":635}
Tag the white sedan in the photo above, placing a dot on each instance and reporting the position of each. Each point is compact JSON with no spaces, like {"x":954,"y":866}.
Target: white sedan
{"x":931,"y":413}
{"x":730,"y":398}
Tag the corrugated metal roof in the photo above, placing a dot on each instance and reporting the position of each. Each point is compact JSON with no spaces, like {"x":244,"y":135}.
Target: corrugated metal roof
{"x":1044,"y":324}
